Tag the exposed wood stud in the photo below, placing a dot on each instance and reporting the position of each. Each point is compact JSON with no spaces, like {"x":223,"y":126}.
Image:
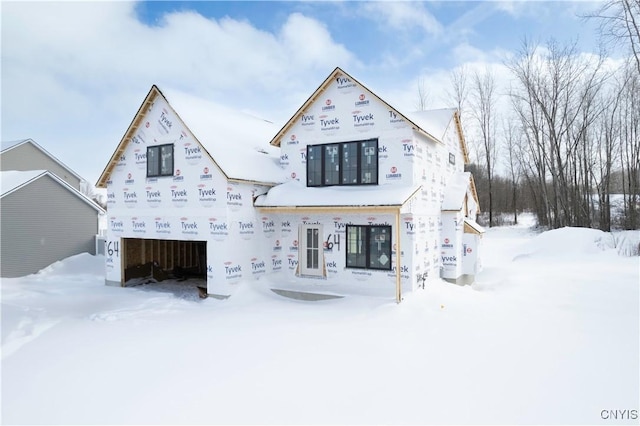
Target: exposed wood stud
{"x":123,"y":252}
{"x":398,"y":259}
{"x":463,"y":144}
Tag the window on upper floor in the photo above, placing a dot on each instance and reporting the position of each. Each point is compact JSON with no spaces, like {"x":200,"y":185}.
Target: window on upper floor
{"x":160,"y":160}
{"x":345,"y":163}
{"x":369,"y":247}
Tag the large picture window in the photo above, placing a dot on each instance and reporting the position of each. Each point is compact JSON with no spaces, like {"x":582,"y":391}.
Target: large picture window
{"x":369,"y":247}
{"x":160,"y":160}
{"x":346,"y":163}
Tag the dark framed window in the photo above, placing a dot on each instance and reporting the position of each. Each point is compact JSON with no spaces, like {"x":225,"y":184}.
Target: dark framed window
{"x":452,"y":158}
{"x":331,"y":169}
{"x":160,"y":160}
{"x":314,"y":165}
{"x":347,"y":163}
{"x":369,"y":247}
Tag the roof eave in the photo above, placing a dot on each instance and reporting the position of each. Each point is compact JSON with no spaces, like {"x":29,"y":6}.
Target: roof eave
{"x":463,"y":143}
{"x":23,"y":184}
{"x":133,"y":127}
{"x":253,"y":182}
{"x":276,"y":139}
{"x":332,"y":208}
{"x":472,"y":184}
{"x":70,"y":188}
{"x":45,"y":152}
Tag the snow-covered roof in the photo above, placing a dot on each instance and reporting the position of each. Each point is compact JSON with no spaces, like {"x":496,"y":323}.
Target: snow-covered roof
{"x":8,"y":145}
{"x":472,"y":226}
{"x":434,"y":122}
{"x":295,"y":194}
{"x":12,"y":180}
{"x":236,"y":141}
{"x":455,"y":191}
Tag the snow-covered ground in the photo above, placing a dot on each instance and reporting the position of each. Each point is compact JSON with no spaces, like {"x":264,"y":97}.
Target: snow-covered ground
{"x":549,"y":333}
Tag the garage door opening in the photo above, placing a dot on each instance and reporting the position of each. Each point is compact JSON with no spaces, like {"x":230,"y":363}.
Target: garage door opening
{"x":166,"y":265}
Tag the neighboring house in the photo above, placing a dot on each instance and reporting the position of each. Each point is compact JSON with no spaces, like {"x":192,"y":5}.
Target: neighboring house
{"x":44,"y":219}
{"x":26,"y":154}
{"x":346,"y":199}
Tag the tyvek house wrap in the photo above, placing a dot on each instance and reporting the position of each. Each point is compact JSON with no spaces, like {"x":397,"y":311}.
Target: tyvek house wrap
{"x":414,"y":169}
{"x":221,"y":161}
{"x":237,"y":141}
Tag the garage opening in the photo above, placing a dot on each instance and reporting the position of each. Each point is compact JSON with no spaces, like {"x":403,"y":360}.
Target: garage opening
{"x":175,"y":266}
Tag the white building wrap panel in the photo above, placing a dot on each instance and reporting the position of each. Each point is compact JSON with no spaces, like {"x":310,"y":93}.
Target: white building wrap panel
{"x":197,"y":203}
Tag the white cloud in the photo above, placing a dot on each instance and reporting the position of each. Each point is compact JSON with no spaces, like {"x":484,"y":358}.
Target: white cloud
{"x":402,"y":15}
{"x":513,"y":8}
{"x":74,"y":73}
{"x":465,"y":52}
{"x":464,"y":25}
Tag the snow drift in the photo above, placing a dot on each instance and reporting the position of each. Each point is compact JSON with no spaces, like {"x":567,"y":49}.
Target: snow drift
{"x":549,"y":338}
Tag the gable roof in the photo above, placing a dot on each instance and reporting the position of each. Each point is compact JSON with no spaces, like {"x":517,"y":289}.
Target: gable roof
{"x":9,"y":145}
{"x":338,"y":72}
{"x":456,"y":190}
{"x":12,"y":181}
{"x":431,"y":124}
{"x":234,"y":141}
{"x":437,"y":121}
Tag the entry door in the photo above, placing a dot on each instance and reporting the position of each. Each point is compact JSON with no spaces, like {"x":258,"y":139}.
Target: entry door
{"x":310,"y":253}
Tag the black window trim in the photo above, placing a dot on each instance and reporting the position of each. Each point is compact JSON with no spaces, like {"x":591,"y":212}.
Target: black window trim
{"x":366,"y":245}
{"x":340,"y":155}
{"x":173,"y":165}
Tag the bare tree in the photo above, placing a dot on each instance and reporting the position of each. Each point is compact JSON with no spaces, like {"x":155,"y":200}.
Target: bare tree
{"x":606,"y":135}
{"x":483,"y":109}
{"x":620,"y":24}
{"x":459,"y":87}
{"x":534,"y":158}
{"x":459,"y":92}
{"x":556,"y":100}
{"x":512,"y":144}
{"x":89,"y":191}
{"x":628,"y":121}
{"x":423,"y":95}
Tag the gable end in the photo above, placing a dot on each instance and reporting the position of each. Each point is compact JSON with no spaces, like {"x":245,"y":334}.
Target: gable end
{"x":133,"y":127}
{"x":314,"y":96}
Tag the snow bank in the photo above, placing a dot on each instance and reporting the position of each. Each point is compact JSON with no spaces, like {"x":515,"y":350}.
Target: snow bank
{"x":82,"y":263}
{"x":627,"y":242}
{"x":531,"y":341}
{"x":566,"y":242}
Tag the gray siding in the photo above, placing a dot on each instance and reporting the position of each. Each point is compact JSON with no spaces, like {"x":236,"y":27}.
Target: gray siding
{"x":28,"y":157}
{"x":41,"y":223}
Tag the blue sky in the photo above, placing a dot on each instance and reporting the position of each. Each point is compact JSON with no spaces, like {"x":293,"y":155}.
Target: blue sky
{"x":75,"y":73}
{"x":487,"y":25}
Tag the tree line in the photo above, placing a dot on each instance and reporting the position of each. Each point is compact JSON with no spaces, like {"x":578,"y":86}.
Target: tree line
{"x":569,"y":139}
